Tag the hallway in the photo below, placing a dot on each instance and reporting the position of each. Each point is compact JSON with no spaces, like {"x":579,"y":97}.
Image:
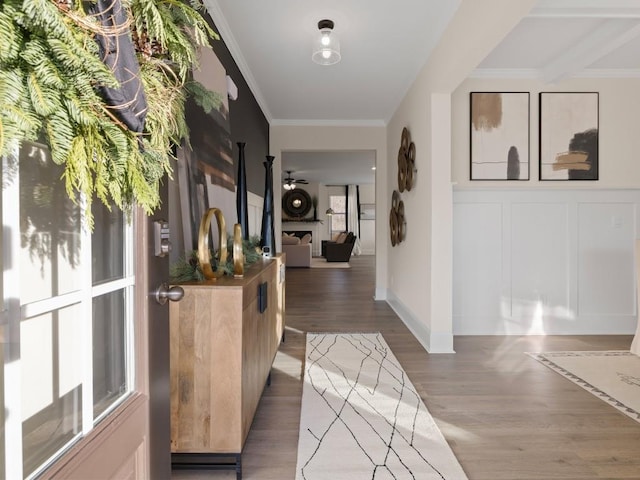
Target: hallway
{"x":505,"y":415}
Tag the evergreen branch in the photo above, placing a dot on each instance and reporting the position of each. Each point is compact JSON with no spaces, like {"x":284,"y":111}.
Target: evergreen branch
{"x":59,"y":133}
{"x":51,"y":75}
{"x":77,"y":173}
{"x":45,"y":101}
{"x":187,"y":268}
{"x":72,"y":59}
{"x":11,"y":35}
{"x":82,"y":114}
{"x":45,"y":15}
{"x":206,"y":99}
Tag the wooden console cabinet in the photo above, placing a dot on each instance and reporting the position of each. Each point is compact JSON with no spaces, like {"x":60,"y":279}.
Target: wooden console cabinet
{"x":222,"y":349}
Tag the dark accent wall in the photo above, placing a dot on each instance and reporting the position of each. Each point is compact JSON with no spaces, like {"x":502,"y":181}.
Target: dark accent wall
{"x":248,"y":123}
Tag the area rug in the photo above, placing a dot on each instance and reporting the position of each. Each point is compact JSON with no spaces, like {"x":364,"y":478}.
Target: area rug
{"x":320,"y":262}
{"x":613,"y":376}
{"x":362,"y":418}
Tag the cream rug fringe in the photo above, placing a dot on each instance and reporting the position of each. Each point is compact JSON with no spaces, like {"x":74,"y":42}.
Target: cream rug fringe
{"x":612,"y":375}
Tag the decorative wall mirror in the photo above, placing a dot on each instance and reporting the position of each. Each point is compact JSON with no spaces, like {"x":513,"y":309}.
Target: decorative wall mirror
{"x":296,"y":203}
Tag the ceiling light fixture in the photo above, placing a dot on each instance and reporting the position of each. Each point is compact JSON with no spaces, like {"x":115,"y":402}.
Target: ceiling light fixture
{"x":329,"y":212}
{"x":326,"y":48}
{"x":290,"y":182}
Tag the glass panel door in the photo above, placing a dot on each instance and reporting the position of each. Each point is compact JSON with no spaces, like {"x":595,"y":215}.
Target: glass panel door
{"x":3,"y":322}
{"x":51,"y":352}
{"x":68,"y":308}
{"x":109,"y":350}
{"x":49,"y":228}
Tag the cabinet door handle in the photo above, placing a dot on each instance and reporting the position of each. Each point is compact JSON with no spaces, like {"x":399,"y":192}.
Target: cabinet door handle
{"x":263,"y":300}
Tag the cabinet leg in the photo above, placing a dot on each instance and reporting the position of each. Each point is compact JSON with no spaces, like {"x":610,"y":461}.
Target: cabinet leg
{"x":208,"y":461}
{"x":238,"y":467}
{"x":269,"y":380}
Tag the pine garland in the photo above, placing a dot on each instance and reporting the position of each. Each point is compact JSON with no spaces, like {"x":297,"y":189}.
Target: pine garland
{"x":50,"y":71}
{"x":187,"y":268}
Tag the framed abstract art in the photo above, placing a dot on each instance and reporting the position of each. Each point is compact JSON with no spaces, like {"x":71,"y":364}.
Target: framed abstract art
{"x":569,"y":135}
{"x":499,"y":135}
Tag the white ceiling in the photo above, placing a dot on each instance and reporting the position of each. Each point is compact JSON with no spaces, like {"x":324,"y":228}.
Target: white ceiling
{"x":331,"y":168}
{"x":384,"y":45}
{"x":570,"y":38}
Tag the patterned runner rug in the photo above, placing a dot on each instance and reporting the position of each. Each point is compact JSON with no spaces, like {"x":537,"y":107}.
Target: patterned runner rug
{"x":613,"y":376}
{"x":361,"y":417}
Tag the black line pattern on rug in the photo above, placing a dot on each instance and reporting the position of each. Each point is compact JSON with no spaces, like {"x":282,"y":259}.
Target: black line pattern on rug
{"x":543,"y":358}
{"x":318,"y":357}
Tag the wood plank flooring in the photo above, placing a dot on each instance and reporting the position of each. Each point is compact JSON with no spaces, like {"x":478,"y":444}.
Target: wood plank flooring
{"x":505,"y":415}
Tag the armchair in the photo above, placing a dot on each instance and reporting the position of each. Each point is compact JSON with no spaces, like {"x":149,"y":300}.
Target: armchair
{"x":340,"y":252}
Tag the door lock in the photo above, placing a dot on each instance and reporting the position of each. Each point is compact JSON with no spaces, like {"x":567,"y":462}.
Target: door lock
{"x":161,"y":242}
{"x":164,"y":293}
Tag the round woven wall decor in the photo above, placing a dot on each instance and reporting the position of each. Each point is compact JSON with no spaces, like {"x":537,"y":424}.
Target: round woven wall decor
{"x":397,"y":222}
{"x":406,"y":162}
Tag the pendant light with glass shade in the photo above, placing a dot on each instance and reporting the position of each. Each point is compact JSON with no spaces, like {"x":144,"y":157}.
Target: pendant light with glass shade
{"x":326,"y":47}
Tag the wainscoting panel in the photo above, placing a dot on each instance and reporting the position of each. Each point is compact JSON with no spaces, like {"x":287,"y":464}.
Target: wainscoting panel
{"x":553,"y":261}
{"x":539,"y":263}
{"x":606,"y":283}
{"x":478,"y":278}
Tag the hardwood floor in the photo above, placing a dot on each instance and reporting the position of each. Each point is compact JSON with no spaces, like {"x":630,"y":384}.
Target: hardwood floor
{"x":505,"y":415}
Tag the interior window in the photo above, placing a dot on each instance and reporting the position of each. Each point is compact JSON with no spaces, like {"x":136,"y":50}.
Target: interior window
{"x":338,"y":204}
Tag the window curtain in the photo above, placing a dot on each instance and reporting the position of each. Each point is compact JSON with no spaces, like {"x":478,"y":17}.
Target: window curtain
{"x":353,"y":222}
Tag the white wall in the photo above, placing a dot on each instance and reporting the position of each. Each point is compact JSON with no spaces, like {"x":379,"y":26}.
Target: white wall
{"x":368,"y":193}
{"x":368,"y":227}
{"x":553,"y":257}
{"x":312,"y":138}
{"x":420,"y":268}
{"x":619,"y":142}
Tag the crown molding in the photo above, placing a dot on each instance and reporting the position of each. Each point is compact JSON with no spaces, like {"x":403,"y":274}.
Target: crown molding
{"x":520,"y":73}
{"x":608,"y":73}
{"x":586,"y":9}
{"x":326,"y":123}
{"x":214,"y":10}
{"x":533,"y":74}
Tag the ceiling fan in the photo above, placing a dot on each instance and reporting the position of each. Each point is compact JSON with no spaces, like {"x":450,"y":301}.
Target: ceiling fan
{"x":290,"y":182}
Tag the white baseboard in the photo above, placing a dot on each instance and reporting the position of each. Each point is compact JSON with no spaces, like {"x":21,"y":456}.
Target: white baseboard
{"x":436,"y":342}
{"x":380,"y":294}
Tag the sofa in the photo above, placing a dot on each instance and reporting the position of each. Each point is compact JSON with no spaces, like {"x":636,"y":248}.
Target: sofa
{"x":339,"y":250}
{"x":297,"y":250}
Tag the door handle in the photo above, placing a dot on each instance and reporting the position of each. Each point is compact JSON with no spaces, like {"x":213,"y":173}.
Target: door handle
{"x":164,"y":293}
